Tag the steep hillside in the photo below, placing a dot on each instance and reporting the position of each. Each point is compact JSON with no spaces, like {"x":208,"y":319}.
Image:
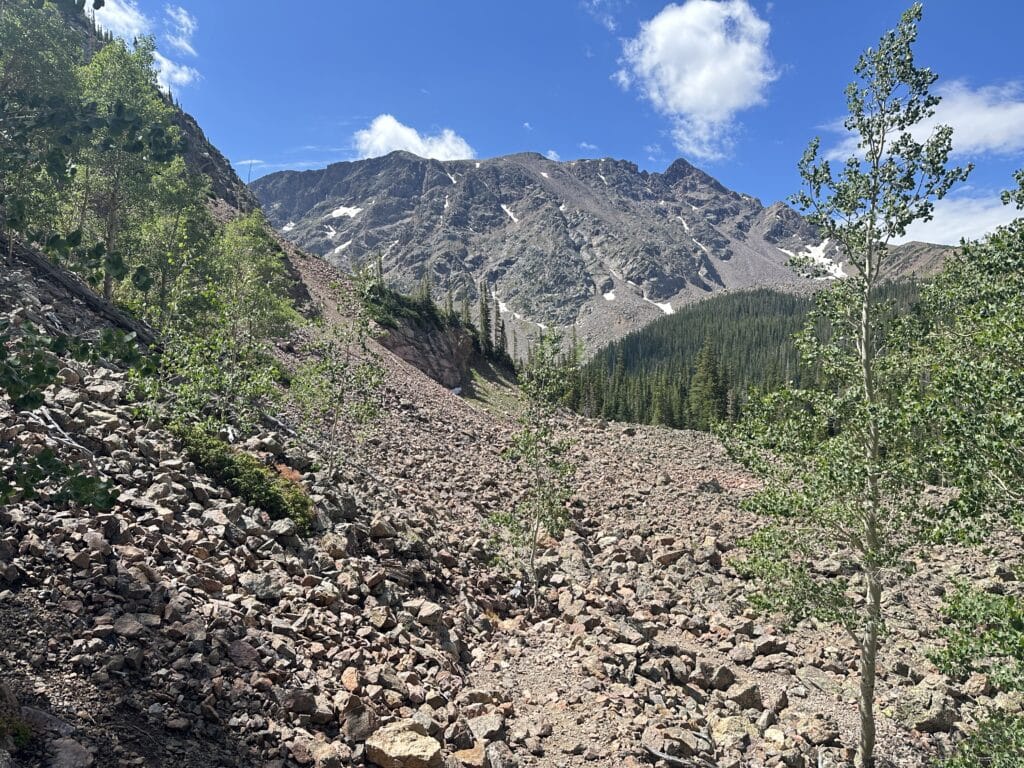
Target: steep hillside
{"x":598,"y":243}
{"x":183,"y":627}
{"x":202,"y":157}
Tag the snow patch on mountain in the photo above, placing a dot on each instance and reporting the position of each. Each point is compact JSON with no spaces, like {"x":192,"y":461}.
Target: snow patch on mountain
{"x":344,"y":210}
{"x":815,"y":255}
{"x":665,"y":307}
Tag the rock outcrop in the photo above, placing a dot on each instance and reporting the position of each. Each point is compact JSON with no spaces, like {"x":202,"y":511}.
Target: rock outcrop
{"x":443,"y":354}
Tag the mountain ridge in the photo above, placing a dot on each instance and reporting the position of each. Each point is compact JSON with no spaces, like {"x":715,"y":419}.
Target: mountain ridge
{"x":595,"y":243}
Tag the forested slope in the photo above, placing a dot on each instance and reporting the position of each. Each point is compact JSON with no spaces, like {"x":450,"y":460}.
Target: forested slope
{"x":696,"y":367}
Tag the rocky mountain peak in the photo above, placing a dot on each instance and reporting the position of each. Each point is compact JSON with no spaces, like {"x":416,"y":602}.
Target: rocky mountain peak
{"x":595,"y":243}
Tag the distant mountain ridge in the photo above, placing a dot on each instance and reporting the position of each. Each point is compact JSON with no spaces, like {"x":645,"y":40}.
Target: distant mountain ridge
{"x":595,"y":243}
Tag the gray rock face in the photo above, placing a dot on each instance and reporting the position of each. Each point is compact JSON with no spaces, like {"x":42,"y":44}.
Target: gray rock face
{"x":441,"y":354}
{"x":597,"y":243}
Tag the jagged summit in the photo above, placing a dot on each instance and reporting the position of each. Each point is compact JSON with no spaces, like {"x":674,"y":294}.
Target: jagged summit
{"x":592,"y":242}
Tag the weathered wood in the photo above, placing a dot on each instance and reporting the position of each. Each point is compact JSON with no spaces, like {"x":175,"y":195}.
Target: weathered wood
{"x":676,"y":762}
{"x":75,"y":287}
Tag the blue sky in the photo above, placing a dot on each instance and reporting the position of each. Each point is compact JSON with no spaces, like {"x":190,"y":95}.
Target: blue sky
{"x":737,"y":87}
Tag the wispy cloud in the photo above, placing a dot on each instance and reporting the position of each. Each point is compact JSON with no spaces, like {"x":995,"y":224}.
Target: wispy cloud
{"x":182,"y":25}
{"x":260,"y":168}
{"x":325,"y":148}
{"x":653,"y":152}
{"x":586,"y":146}
{"x":701,"y":64}
{"x":527,"y":126}
{"x":603,"y":11}
{"x":552,"y":155}
{"x":386,"y":134}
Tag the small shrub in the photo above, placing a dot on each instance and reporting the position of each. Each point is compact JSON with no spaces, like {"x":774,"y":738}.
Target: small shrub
{"x":16,"y":730}
{"x":387,"y":307}
{"x":279,"y":496}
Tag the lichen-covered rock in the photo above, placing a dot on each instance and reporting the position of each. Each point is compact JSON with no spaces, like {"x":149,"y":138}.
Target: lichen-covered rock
{"x":926,"y":708}
{"x":403,"y":744}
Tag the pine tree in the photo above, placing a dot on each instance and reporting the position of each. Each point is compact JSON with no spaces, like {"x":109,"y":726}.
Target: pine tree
{"x":464,"y":316}
{"x":500,"y":343}
{"x":485,"y":336}
{"x":449,"y":303}
{"x":425,"y":289}
{"x":706,"y":398}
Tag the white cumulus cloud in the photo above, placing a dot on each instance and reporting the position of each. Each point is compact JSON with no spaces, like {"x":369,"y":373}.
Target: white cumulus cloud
{"x":183,"y":25}
{"x":962,"y":216}
{"x":123,"y":19}
{"x":552,"y":155}
{"x":700,"y":64}
{"x":989,"y":119}
{"x":386,"y":134}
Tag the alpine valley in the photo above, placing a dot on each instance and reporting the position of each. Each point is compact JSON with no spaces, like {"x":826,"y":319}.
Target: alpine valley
{"x":308,"y":473}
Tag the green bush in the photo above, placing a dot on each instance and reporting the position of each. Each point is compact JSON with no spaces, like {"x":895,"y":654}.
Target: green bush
{"x":998,"y":743}
{"x":387,"y":307}
{"x":278,"y":496}
{"x":17,"y":730}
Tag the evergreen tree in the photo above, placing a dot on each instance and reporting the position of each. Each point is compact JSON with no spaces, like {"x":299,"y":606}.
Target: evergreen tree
{"x":751,"y":331}
{"x":485,"y":337}
{"x":449,"y":303}
{"x":464,"y":316}
{"x":706,"y":394}
{"x":425,"y":289}
{"x":500,"y":344}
